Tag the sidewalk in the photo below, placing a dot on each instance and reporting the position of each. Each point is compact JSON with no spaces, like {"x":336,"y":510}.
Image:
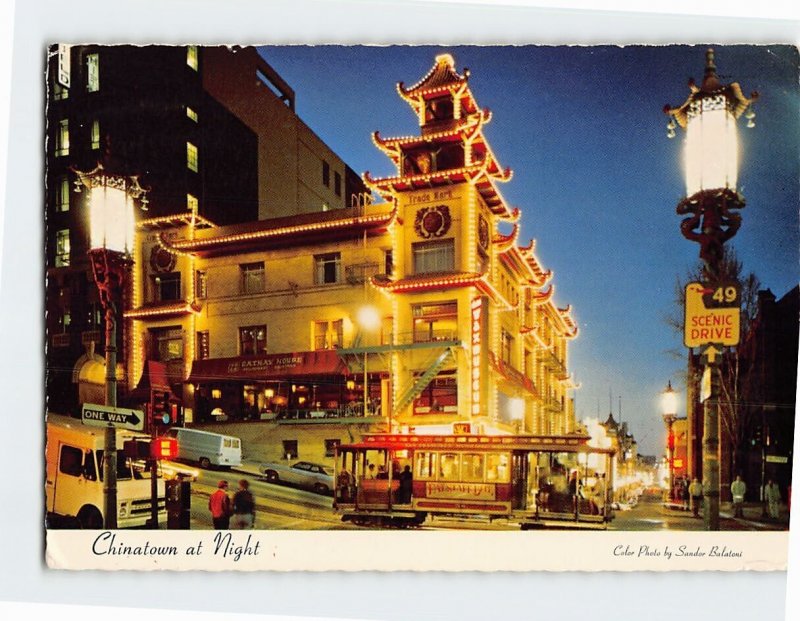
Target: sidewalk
{"x":753,"y":514}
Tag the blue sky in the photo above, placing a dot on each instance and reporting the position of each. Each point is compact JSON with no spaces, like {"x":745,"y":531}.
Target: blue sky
{"x":595,"y":177}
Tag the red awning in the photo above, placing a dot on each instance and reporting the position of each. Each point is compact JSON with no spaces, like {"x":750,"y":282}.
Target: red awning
{"x":268,"y":366}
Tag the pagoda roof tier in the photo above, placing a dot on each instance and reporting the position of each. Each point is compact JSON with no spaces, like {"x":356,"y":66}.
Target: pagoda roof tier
{"x":477,"y":173}
{"x":542,"y":297}
{"x":438,"y":281}
{"x":463,"y":129}
{"x":569,"y":325}
{"x":286,"y":231}
{"x":442,"y":78}
{"x":163,"y":310}
{"x":525,"y":265}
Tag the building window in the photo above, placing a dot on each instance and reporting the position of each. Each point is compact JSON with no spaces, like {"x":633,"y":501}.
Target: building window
{"x":62,"y":248}
{"x":435,"y":256}
{"x":62,"y":138}
{"x":59,"y":91}
{"x":62,"y":193}
{"x":337,"y":183}
{"x":191,"y":57}
{"x":201,"y":284}
{"x":328,"y":268}
{"x":93,"y":73}
{"x":326,"y":174}
{"x":191,"y":203}
{"x":95,"y":136}
{"x":167,"y":287}
{"x":290,"y":449}
{"x":253,"y":277}
{"x":441,"y":395}
{"x":191,"y":114}
{"x":328,"y":335}
{"x":330,"y":446}
{"x":202,"y":345}
{"x":191,"y":156}
{"x":388,"y":262}
{"x":252,"y":340}
{"x":167,"y":344}
{"x":506,"y":346}
{"x":435,"y":322}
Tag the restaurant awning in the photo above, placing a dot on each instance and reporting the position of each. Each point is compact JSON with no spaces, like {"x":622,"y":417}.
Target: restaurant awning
{"x":267,"y":366}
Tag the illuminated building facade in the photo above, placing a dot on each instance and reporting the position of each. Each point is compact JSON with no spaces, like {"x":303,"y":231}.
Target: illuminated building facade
{"x":496,"y":344}
{"x":208,"y":130}
{"x":262,"y":319}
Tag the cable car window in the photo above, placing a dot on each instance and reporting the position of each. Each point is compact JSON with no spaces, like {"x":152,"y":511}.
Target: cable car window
{"x":497,"y":470}
{"x":425,"y":466}
{"x":448,"y":467}
{"x":472,"y":467}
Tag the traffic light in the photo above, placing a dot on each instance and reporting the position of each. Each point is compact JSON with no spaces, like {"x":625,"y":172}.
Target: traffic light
{"x":164,"y":448}
{"x":161,"y":408}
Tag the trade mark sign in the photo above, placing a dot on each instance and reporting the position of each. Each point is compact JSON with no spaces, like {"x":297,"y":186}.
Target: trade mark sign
{"x":712,"y":314}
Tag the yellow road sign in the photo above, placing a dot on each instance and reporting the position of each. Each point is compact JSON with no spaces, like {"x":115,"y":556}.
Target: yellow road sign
{"x":711,"y":314}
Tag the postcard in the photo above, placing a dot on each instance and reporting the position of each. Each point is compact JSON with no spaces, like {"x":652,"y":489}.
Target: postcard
{"x":432,"y":308}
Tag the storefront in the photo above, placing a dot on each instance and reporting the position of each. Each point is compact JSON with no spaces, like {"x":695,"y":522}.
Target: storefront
{"x":313,"y":384}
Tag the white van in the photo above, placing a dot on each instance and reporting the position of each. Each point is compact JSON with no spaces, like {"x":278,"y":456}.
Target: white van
{"x":74,"y":483}
{"x":206,"y":448}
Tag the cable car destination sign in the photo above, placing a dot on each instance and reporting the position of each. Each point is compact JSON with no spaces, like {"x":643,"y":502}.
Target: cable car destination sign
{"x":107,"y":416}
{"x":712,"y":314}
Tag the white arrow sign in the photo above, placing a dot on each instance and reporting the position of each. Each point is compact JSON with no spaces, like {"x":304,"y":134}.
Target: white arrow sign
{"x":107,"y":416}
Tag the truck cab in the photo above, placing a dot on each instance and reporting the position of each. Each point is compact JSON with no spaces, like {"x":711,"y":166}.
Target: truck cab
{"x":74,"y":483}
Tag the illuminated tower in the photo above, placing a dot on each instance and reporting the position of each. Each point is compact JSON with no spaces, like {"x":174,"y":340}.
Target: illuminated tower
{"x":478,"y":343}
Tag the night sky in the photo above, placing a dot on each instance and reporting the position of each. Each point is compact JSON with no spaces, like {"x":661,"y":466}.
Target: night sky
{"x":595,"y":177}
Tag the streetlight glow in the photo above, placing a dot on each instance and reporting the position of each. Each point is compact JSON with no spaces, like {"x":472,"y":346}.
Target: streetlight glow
{"x":111,"y":218}
{"x":711,"y":149}
{"x":669,"y":401}
{"x":368,"y":318}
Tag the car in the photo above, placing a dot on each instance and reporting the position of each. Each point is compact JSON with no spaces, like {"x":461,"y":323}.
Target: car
{"x":302,"y":473}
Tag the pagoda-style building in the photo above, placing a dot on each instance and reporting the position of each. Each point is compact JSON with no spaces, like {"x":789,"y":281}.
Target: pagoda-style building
{"x":479,"y":344}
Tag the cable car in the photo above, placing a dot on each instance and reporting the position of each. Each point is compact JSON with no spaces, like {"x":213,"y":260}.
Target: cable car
{"x":400,"y":480}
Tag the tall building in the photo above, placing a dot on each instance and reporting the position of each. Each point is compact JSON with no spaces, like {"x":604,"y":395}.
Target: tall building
{"x":201,"y":139}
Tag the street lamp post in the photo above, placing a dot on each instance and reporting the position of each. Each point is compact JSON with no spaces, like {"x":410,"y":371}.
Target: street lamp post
{"x":711,"y":158}
{"x":369,"y":320}
{"x":111,"y":223}
{"x":669,"y":402}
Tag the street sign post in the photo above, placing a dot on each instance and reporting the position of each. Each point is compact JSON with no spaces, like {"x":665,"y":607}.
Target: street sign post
{"x":107,"y":416}
{"x":712,"y":314}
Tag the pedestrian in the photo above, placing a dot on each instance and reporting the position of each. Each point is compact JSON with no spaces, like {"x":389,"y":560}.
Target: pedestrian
{"x":696,"y":495}
{"x":738,"y":489}
{"x":244,"y":507}
{"x":600,"y":493}
{"x":573,"y":489}
{"x":371,"y":471}
{"x":219,"y":503}
{"x":685,"y":493}
{"x":772,"y":494}
{"x":406,"y":485}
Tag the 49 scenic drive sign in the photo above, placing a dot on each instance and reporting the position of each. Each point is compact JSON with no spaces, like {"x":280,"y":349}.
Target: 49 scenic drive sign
{"x":106,"y":416}
{"x":711,"y":314}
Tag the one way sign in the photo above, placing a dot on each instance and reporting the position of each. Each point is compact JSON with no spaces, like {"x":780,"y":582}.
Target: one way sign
{"x":106,"y":416}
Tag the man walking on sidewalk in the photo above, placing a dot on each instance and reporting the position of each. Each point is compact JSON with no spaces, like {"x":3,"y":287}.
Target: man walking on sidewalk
{"x":244,"y":507}
{"x":772,"y":494}
{"x":738,"y":489}
{"x":219,"y":503}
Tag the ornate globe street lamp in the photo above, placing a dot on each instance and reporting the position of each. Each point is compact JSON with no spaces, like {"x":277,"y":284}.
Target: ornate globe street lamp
{"x":669,"y":403}
{"x":711,"y":160}
{"x":111,"y":230}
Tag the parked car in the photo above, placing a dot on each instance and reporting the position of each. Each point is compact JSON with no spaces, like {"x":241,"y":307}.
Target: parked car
{"x":302,"y":473}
